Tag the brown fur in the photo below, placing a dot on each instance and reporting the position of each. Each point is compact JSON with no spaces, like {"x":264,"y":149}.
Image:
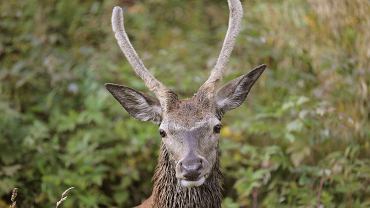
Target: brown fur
{"x":168,"y":193}
{"x":189,"y":129}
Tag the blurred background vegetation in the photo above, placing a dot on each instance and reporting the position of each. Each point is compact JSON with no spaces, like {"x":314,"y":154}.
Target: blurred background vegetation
{"x":302,"y":139}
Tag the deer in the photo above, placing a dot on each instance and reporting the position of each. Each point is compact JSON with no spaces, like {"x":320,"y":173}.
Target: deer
{"x":188,"y":168}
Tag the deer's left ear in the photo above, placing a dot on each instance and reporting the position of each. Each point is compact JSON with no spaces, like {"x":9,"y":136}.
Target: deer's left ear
{"x":233,"y":94}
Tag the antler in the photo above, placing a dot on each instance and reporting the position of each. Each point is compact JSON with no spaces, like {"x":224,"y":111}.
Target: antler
{"x":128,"y":50}
{"x":235,"y":17}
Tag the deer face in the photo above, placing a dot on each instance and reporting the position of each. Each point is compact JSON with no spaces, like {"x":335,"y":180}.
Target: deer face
{"x":190,"y":135}
{"x":189,"y":128}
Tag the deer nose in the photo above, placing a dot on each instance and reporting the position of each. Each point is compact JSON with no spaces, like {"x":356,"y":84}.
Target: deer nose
{"x":191,"y":168}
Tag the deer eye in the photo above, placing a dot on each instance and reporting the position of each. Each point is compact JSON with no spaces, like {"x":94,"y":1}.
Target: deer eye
{"x":217,"y":129}
{"x":162,"y":133}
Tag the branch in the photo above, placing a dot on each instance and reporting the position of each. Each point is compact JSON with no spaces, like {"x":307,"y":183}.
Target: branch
{"x":13,"y":198}
{"x":64,"y":197}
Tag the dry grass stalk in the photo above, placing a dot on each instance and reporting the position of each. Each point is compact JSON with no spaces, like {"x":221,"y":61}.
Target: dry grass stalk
{"x":64,"y":197}
{"x":341,"y":16}
{"x":13,"y":198}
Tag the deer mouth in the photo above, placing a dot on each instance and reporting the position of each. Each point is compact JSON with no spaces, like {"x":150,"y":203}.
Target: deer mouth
{"x":190,"y":184}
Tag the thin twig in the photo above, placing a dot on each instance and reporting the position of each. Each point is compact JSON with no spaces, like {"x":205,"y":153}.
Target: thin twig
{"x":13,"y":198}
{"x":64,"y":196}
{"x":255,"y":197}
{"x":322,"y":180}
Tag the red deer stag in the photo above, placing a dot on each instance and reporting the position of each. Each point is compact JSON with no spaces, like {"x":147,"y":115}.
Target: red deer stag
{"x":188,"y":173}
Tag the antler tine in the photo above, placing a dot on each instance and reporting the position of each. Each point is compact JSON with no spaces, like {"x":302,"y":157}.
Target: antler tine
{"x":235,"y":17}
{"x":128,"y":50}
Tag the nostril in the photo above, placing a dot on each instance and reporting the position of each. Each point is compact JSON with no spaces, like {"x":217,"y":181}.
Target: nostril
{"x":199,"y":166}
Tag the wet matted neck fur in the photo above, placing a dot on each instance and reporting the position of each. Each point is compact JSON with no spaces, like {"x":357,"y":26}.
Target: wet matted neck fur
{"x":188,"y":172}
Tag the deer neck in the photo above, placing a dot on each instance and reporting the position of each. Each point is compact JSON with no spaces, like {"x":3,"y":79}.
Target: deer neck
{"x":168,"y":193}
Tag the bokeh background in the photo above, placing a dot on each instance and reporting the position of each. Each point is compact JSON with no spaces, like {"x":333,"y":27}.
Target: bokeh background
{"x":301,"y":140}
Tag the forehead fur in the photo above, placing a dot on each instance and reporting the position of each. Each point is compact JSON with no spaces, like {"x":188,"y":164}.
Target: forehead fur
{"x":190,"y":111}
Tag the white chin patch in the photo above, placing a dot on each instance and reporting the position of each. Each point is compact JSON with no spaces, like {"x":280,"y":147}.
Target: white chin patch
{"x":190,"y":184}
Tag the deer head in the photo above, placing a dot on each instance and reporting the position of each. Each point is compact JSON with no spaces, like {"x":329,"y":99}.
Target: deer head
{"x":190,"y":127}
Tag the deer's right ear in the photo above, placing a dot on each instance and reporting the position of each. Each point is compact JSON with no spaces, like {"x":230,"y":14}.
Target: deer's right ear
{"x":137,"y":104}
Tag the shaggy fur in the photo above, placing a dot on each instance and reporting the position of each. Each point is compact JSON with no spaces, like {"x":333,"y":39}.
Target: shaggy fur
{"x":168,"y":193}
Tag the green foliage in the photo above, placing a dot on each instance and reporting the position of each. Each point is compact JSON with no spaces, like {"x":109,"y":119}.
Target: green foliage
{"x":302,"y":141}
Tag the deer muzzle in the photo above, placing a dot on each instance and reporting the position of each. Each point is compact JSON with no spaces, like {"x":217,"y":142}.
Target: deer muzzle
{"x":191,"y":169}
